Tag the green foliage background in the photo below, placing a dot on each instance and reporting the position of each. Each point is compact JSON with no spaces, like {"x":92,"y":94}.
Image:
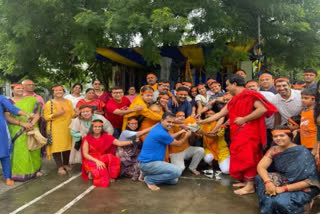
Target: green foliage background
{"x":50,"y":40}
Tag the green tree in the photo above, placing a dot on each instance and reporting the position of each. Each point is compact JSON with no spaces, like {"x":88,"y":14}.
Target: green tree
{"x":54,"y":39}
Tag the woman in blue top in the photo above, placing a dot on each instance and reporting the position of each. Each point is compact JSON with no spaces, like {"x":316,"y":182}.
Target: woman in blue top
{"x":5,"y":142}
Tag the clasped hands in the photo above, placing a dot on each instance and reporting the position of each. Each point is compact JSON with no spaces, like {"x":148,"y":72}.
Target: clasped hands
{"x":28,"y":126}
{"x":272,"y":190}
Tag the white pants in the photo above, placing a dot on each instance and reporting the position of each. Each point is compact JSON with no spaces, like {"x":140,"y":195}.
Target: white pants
{"x":195,"y":153}
{"x":224,"y":165}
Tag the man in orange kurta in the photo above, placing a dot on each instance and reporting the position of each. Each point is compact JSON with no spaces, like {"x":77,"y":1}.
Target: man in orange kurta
{"x":178,"y":154}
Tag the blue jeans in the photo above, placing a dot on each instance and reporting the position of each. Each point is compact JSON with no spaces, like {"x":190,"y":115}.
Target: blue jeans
{"x":160,"y":172}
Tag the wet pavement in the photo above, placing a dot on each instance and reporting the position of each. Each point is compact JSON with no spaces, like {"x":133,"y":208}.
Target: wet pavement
{"x":70,"y":194}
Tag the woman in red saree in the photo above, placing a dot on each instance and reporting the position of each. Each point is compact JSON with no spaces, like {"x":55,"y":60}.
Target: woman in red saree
{"x":97,"y":160}
{"x":247,"y":110}
{"x":89,"y":100}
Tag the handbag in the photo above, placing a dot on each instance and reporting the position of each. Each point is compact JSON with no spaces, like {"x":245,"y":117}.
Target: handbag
{"x":77,"y":144}
{"x":49,"y":135}
{"x":35,"y":140}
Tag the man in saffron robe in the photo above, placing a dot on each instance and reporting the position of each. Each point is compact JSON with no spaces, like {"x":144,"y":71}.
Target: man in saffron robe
{"x":247,"y":110}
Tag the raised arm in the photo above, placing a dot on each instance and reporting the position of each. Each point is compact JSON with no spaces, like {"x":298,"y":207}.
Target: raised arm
{"x":122,"y":143}
{"x":177,"y":134}
{"x":217,"y":116}
{"x":181,"y":141}
{"x":128,"y":111}
{"x":199,"y":110}
{"x":145,"y":131}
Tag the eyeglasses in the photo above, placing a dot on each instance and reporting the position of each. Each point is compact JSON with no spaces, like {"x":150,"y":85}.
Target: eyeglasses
{"x":117,"y":92}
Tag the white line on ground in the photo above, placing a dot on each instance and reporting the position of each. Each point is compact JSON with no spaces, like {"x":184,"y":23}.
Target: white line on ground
{"x":192,"y":178}
{"x":45,"y":194}
{"x":78,"y":198}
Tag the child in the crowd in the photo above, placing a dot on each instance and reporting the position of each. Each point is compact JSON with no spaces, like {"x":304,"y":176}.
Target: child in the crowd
{"x":176,"y":86}
{"x":193,"y":93}
{"x":308,"y":129}
{"x":215,"y":147}
{"x":294,"y":126}
{"x":210,"y":82}
{"x":128,"y":154}
{"x":298,"y":85}
{"x":201,"y":99}
{"x":187,"y":84}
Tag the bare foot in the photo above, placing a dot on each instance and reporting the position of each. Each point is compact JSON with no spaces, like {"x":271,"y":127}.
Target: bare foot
{"x":61,"y":171}
{"x":66,"y":167}
{"x":247,"y":189}
{"x":112,"y":180}
{"x":9,"y":182}
{"x":140,"y":178}
{"x":39,"y":174}
{"x":240,"y":184}
{"x":153,"y":187}
{"x":195,"y":172}
{"x":90,"y":176}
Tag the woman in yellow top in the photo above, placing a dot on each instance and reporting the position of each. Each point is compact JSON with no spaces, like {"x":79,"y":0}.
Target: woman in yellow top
{"x":215,"y":148}
{"x":144,"y":99}
{"x":58,"y":113}
{"x":159,"y":107}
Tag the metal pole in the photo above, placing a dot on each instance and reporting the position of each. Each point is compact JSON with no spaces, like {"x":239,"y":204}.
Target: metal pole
{"x":259,"y":46}
{"x":259,"y":33}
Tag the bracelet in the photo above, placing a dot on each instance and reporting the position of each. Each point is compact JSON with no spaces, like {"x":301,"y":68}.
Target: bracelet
{"x":267,"y":181}
{"x":285,"y":188}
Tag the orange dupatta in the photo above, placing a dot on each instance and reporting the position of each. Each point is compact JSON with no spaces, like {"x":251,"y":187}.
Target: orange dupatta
{"x":211,"y":143}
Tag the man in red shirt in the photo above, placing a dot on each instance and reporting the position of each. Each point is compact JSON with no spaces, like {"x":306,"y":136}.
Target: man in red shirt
{"x":116,"y":108}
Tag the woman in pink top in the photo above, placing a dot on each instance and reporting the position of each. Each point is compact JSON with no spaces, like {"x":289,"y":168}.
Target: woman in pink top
{"x":131,"y":93}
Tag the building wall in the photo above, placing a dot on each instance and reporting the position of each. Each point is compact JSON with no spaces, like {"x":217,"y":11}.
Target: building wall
{"x":5,"y":89}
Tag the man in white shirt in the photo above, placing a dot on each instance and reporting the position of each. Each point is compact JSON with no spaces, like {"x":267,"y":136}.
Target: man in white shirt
{"x":287,"y":101}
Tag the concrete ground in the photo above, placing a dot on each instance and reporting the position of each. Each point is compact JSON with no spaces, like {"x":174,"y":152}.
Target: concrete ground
{"x":70,"y":194}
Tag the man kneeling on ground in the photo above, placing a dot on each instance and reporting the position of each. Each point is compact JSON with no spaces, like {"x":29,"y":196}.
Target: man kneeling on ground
{"x":154,"y":170}
{"x":178,"y":154}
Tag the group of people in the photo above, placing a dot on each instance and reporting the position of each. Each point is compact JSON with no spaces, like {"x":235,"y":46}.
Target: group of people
{"x":263,"y":133}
